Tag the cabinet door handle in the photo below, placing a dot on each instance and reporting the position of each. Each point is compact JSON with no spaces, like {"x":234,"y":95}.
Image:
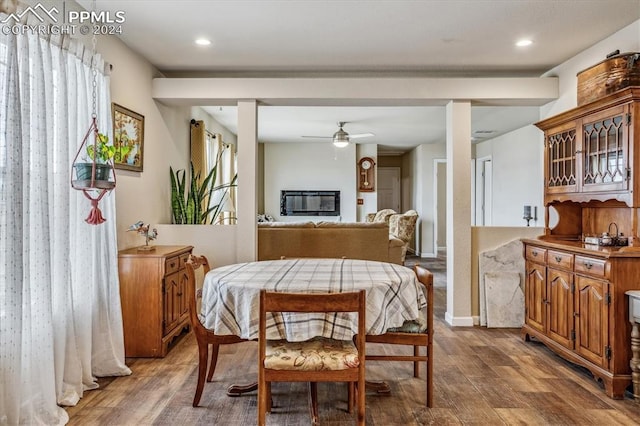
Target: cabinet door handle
{"x":172,"y":264}
{"x":576,"y":314}
{"x":588,"y":265}
{"x":534,"y":253}
{"x":179,"y":294}
{"x":558,"y":259}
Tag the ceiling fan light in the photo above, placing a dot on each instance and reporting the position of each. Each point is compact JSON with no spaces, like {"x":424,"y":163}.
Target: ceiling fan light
{"x":341,"y":138}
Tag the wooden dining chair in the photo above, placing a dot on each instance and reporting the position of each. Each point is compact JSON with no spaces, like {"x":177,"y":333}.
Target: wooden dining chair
{"x":316,"y":360}
{"x":413,"y":333}
{"x":196,"y":268}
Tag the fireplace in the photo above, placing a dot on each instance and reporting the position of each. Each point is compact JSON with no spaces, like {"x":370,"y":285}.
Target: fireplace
{"x":309,"y":203}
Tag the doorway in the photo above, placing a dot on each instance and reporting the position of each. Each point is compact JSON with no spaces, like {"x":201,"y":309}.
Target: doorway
{"x":439,"y":205}
{"x":483,"y":192}
{"x":389,"y":188}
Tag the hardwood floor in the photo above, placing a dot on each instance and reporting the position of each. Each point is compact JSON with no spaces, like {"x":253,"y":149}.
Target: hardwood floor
{"x":482,"y":377}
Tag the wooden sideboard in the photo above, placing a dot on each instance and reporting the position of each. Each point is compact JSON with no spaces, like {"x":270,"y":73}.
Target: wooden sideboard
{"x":153,"y":297}
{"x":575,"y":304}
{"x":575,"y":299}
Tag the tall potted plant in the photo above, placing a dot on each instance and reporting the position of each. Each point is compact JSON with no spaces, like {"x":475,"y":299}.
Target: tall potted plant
{"x":196,"y":205}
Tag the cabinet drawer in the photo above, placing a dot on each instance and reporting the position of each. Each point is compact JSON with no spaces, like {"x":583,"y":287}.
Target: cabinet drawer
{"x":558,"y":259}
{"x":171,"y":265}
{"x":184,"y":257}
{"x":590,"y":266}
{"x":536,"y":254}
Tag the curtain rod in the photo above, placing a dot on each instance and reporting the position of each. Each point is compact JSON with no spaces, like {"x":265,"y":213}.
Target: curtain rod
{"x":196,"y":123}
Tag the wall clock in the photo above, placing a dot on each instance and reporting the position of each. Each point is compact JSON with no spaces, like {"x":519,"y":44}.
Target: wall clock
{"x":366,"y":174}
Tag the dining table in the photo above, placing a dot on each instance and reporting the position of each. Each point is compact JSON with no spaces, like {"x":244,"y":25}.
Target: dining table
{"x":231,"y":298}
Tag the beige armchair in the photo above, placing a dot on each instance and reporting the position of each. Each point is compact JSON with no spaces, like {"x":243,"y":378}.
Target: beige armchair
{"x":403,"y":226}
{"x":380,"y":216}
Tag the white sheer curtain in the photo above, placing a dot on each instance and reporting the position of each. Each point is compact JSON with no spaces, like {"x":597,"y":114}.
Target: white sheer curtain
{"x":60,"y":316}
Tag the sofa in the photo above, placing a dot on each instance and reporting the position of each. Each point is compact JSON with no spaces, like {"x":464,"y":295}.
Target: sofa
{"x":353,"y":240}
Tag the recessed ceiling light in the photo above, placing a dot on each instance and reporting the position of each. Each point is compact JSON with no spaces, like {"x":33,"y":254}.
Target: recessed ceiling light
{"x":524,"y":42}
{"x":202,"y":42}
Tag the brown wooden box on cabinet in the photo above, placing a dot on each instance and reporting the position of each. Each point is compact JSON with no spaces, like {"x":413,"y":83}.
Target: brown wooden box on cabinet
{"x":606,"y":77}
{"x":574,"y":292}
{"x":153,"y":297}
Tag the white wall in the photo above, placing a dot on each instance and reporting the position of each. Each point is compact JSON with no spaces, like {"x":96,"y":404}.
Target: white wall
{"x":626,"y":40}
{"x":310,"y":166}
{"x":420,"y":165}
{"x":517,"y":175}
{"x":212,"y":125}
{"x":518,"y":156}
{"x":147,"y":195}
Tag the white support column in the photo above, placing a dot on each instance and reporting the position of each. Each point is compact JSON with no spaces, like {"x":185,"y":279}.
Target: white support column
{"x":459,"y":214}
{"x":247,"y":231}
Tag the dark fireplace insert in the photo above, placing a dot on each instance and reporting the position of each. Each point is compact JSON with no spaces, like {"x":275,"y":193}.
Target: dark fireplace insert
{"x":309,"y":203}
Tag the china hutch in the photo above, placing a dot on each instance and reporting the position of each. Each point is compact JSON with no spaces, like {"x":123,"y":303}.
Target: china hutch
{"x":577,"y":273}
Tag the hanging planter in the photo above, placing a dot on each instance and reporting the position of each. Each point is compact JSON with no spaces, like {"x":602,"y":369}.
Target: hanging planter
{"x":84,"y":171}
{"x":94,"y":175}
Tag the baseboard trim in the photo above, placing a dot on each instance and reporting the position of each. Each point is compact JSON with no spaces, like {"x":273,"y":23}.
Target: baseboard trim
{"x":459,"y":321}
{"x":428,"y":255}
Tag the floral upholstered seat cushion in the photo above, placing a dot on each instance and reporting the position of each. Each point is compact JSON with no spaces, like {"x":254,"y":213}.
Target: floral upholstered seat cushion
{"x":319,"y":353}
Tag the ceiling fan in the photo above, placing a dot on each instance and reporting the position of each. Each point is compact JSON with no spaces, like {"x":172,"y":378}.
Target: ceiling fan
{"x":341,"y":138}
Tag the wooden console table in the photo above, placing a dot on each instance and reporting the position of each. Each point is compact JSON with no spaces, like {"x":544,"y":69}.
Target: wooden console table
{"x":634,"y":318}
{"x":153,"y":297}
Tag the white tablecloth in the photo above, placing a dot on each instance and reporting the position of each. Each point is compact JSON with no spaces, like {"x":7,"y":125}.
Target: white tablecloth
{"x":231,"y":297}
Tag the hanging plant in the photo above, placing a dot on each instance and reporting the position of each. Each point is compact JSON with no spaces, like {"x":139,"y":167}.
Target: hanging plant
{"x":100,"y":153}
{"x":92,"y":178}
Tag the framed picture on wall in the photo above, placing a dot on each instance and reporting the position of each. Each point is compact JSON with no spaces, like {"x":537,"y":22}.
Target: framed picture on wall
{"x":128,"y":138}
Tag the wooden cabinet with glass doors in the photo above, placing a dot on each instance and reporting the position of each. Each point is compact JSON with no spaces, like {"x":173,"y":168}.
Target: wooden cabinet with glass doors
{"x":587,"y":151}
{"x":575,"y":285}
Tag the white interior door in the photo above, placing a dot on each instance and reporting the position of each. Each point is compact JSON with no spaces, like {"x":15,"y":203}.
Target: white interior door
{"x":483,"y":191}
{"x":441,"y":205}
{"x":389,"y":188}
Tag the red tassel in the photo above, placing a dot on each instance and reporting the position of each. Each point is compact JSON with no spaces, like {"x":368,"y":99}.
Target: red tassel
{"x":95,"y":215}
